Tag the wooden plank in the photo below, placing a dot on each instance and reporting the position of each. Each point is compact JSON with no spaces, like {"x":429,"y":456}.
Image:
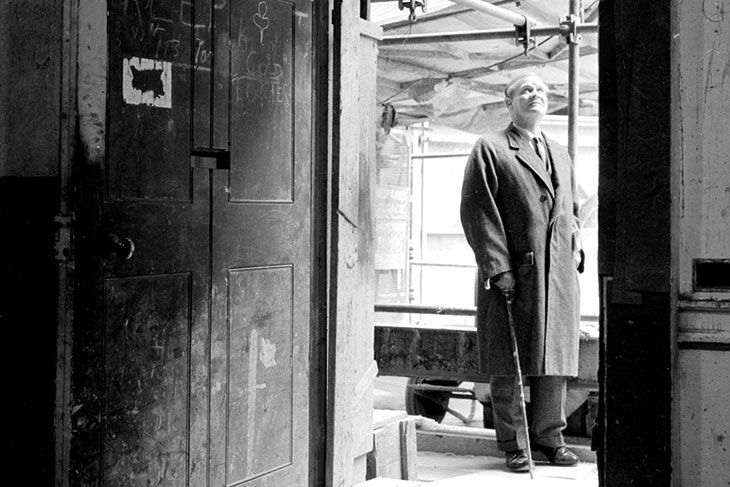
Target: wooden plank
{"x":701,"y":138}
{"x":393,"y":453}
{"x":352,"y":314}
{"x":451,"y":353}
{"x":441,"y":353}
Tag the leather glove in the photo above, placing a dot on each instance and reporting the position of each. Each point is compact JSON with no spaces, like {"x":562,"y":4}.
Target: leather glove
{"x":504,"y":282}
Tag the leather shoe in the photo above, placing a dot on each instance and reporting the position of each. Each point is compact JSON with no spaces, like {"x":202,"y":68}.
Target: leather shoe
{"x":559,"y":456}
{"x":517,"y":461}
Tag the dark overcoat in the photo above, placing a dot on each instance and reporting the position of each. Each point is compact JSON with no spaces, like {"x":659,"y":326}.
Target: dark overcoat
{"x":518,"y":217}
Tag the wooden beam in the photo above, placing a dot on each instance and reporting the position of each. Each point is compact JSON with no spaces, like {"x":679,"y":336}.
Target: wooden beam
{"x":451,"y":354}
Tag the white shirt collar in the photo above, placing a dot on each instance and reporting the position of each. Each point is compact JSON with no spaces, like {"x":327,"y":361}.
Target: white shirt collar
{"x":527,"y":133}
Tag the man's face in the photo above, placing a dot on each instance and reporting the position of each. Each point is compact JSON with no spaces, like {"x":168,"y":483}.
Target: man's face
{"x":527,"y":100}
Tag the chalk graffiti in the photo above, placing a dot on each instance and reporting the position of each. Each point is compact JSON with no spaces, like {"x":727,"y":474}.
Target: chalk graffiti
{"x":155,"y":10}
{"x":261,"y":67}
{"x":261,"y":20}
{"x":253,"y":90}
{"x":176,"y":33}
{"x":151,"y":28}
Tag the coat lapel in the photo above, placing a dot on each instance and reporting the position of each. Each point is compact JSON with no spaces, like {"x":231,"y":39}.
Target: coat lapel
{"x":561,"y":170}
{"x":527,"y":156}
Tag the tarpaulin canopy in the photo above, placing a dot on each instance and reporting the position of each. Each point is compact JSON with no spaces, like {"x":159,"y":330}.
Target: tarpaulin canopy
{"x":460,"y":83}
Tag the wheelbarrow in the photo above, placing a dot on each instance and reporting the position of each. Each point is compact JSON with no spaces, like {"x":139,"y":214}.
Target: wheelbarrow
{"x":441,"y":365}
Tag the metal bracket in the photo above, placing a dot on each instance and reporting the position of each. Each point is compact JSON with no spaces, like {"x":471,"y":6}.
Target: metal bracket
{"x":569,"y":29}
{"x":64,"y":237}
{"x":412,"y":6}
{"x":524,"y":37}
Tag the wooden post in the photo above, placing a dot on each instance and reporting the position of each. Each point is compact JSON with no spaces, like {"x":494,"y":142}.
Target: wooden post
{"x":352,"y":366}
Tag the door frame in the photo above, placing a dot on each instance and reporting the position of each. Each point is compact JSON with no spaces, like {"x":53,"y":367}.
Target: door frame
{"x":634,"y":427}
{"x":321,"y":250}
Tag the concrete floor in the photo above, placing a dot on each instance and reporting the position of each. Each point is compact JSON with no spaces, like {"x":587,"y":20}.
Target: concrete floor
{"x":459,"y":452}
{"x":446,"y":470}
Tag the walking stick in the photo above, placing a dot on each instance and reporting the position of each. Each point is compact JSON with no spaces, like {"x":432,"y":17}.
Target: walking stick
{"x":509,"y":297}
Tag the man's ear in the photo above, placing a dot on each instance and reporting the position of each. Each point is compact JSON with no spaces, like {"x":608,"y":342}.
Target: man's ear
{"x":508,"y":101}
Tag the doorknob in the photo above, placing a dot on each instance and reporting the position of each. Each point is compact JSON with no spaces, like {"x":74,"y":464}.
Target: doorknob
{"x":116,"y":247}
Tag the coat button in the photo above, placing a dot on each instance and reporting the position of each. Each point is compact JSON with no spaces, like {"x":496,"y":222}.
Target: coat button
{"x":543,"y":198}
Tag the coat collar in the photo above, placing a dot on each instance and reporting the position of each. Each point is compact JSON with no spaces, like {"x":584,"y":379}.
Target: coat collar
{"x":527,"y":156}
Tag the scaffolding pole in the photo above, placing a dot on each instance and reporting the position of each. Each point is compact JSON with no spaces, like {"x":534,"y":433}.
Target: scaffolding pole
{"x":573,"y":83}
{"x":481,"y":35}
{"x":499,"y":12}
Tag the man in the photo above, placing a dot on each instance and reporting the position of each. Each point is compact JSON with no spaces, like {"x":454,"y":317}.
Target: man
{"x":519,"y":213}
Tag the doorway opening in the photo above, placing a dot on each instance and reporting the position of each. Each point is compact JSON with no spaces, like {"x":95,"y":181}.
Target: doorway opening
{"x":439,"y":89}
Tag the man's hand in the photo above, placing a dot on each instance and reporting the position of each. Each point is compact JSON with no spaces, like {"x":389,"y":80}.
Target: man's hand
{"x":504,"y":282}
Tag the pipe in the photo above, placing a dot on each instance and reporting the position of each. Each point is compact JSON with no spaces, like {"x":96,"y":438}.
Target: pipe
{"x":573,"y":86}
{"x":479,"y":35}
{"x":424,"y":309}
{"x":494,"y":11}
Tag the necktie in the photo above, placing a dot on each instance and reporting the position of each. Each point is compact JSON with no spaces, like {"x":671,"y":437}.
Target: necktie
{"x":540,"y":149}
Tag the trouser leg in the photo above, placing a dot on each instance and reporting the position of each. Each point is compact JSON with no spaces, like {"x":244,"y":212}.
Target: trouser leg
{"x":547,"y":400}
{"x":508,"y":423}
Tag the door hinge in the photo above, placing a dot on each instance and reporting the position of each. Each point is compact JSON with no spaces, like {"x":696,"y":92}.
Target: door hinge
{"x":64,"y":237}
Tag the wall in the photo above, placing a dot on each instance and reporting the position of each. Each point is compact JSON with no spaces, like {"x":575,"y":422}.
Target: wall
{"x":30,"y":60}
{"x":701,"y":218}
{"x":30,"y":56}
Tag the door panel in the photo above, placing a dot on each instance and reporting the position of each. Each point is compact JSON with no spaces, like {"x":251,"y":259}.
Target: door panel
{"x":191,"y":342}
{"x":261,"y":281}
{"x":262,"y":100}
{"x":260,"y":377}
{"x":147,"y":318}
{"x":149,"y":102}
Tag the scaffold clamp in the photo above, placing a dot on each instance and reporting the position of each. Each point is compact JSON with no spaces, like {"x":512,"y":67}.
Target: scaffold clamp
{"x":569,"y":29}
{"x":412,"y":6}
{"x":524,"y":37}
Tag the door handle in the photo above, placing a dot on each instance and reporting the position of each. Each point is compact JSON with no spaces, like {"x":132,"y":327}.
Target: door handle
{"x":116,"y":247}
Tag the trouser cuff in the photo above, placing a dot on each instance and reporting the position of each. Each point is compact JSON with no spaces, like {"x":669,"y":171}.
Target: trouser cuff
{"x":510,"y":445}
{"x":548,"y":441}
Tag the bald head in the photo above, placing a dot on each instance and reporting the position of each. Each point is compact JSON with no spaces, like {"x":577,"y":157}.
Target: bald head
{"x":515,"y":81}
{"x":526,"y":99}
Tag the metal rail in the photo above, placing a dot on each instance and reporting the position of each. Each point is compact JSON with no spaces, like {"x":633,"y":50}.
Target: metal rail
{"x":495,"y":11}
{"x":441,"y":264}
{"x":482,"y":35}
{"x":424,"y":309}
{"x":443,"y":310}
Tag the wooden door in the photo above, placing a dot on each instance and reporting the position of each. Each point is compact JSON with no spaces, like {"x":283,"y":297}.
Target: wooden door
{"x":261,"y":233}
{"x":191,"y":336}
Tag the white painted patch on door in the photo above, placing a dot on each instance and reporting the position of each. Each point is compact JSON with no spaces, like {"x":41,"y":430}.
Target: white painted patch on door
{"x":147,"y":82}
{"x":268,"y":353}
